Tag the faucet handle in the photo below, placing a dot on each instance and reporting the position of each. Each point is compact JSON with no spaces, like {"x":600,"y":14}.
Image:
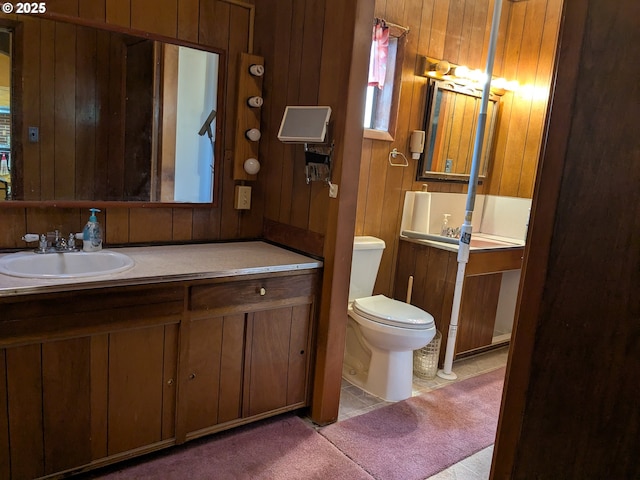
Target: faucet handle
{"x":31,"y":237}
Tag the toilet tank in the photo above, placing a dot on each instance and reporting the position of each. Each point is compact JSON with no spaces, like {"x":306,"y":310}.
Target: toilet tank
{"x":367,"y":253}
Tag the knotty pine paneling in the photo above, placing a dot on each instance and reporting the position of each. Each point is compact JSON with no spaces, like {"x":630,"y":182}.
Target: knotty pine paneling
{"x":219,"y":24}
{"x":459,"y":30}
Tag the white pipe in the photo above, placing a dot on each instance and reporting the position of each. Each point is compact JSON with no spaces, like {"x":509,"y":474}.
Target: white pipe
{"x":466,"y":229}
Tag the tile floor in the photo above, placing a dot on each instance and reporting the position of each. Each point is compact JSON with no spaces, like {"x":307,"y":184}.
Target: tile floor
{"x":354,"y":401}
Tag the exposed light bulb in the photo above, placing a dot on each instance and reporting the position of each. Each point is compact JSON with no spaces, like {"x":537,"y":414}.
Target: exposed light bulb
{"x":253,"y":134}
{"x":461,"y":71}
{"x":443,"y":67}
{"x":478,"y":76}
{"x":251,"y":166}
{"x":499,"y":83}
{"x":256,"y":70}
{"x":513,"y":85}
{"x":255,"y":101}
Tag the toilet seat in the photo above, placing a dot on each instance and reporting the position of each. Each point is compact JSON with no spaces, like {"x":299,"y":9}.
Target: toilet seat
{"x":388,"y":311}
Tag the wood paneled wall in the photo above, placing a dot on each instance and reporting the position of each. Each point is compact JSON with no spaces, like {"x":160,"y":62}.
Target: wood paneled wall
{"x":316,"y":53}
{"x":458,"y":31}
{"x":289,"y":35}
{"x":219,"y":24}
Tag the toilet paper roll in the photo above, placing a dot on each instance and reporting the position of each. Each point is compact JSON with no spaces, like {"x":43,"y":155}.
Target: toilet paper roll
{"x":421,"y":212}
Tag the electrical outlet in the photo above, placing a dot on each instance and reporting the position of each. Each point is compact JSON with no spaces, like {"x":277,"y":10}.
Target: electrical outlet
{"x":448,"y":165}
{"x":242,"y":197}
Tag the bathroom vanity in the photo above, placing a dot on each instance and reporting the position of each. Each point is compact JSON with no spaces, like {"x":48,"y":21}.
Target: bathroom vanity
{"x":433,"y":266}
{"x":192,"y":340}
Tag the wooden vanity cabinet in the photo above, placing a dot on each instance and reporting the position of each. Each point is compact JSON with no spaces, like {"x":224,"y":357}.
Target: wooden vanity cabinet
{"x":93,"y":377}
{"x":247,"y":350}
{"x":87,"y":378}
{"x":434,"y":273}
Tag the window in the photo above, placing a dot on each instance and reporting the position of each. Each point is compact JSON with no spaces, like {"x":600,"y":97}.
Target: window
{"x":383,"y":90}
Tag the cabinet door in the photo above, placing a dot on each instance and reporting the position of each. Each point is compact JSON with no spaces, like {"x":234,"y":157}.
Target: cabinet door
{"x":73,"y":401}
{"x":277,"y":359}
{"x":478,"y":312}
{"x":141,"y":396}
{"x":214,"y":373}
{"x":51,"y":412}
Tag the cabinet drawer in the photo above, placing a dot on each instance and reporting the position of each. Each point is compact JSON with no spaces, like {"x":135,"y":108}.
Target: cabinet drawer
{"x":493,"y":261}
{"x":249,"y":295}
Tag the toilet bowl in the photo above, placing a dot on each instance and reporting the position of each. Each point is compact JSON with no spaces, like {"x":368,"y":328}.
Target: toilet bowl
{"x":382,"y":333}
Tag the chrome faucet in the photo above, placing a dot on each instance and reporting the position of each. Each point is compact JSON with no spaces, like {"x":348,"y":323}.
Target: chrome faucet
{"x":451,"y":232}
{"x":52,"y":242}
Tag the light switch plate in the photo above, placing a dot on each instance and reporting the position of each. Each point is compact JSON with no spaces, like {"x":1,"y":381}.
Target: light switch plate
{"x":34,"y":135}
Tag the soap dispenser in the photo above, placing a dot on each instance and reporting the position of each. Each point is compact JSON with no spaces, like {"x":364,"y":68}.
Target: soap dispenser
{"x":445,"y":231}
{"x":92,"y":233}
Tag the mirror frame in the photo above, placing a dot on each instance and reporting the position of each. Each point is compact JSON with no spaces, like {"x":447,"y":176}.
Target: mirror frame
{"x":433,"y":85}
{"x":17,"y":123}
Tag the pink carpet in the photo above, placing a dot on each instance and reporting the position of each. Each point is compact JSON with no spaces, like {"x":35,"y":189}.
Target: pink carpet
{"x":421,"y":436}
{"x":412,"y":439}
{"x":281,"y":448}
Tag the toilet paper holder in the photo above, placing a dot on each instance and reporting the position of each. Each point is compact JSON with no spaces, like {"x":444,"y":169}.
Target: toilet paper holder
{"x":310,"y":126}
{"x":318,"y":162}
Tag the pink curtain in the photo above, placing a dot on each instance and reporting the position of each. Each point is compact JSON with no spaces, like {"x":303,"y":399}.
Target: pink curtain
{"x":379,"y":50}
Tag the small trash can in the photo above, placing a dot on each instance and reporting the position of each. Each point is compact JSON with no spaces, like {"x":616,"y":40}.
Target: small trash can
{"x":425,"y":360}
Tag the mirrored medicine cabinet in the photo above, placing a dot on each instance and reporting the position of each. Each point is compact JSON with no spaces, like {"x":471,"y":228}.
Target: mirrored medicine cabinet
{"x":101,"y":115}
{"x":450,"y":122}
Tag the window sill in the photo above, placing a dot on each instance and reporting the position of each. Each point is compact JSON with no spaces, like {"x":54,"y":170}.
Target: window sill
{"x":377,"y":135}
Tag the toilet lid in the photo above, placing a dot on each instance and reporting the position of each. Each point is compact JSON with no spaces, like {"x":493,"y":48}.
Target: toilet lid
{"x":385,"y":310}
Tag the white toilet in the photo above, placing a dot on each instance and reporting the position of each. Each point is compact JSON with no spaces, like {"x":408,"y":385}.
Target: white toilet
{"x":382,"y":333}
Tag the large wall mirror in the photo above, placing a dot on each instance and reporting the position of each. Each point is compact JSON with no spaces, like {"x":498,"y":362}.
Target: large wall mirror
{"x":451,"y":118}
{"x":92,"y":115}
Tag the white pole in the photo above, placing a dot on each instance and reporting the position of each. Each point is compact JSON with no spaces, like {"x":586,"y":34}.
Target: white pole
{"x":465,"y":231}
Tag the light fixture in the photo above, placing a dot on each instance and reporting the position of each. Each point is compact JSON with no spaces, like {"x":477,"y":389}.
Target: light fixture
{"x":255,"y":101}
{"x":462,"y":75}
{"x":253,"y":134}
{"x":461,"y":71}
{"x":251,"y":166}
{"x":256,"y":70}
{"x":442,"y":67}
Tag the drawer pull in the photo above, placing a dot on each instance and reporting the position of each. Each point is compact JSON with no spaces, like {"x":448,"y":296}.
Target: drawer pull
{"x":192,"y":376}
{"x":170,"y":382}
{"x":262,"y":291}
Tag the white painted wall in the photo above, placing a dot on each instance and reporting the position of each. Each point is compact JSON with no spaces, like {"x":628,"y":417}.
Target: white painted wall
{"x":197,"y":88}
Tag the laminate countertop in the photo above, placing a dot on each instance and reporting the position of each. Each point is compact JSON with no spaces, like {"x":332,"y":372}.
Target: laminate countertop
{"x":158,"y":264}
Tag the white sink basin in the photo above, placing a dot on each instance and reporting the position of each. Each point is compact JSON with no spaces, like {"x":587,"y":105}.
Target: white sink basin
{"x":64,"y":265}
{"x":478,"y":240}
